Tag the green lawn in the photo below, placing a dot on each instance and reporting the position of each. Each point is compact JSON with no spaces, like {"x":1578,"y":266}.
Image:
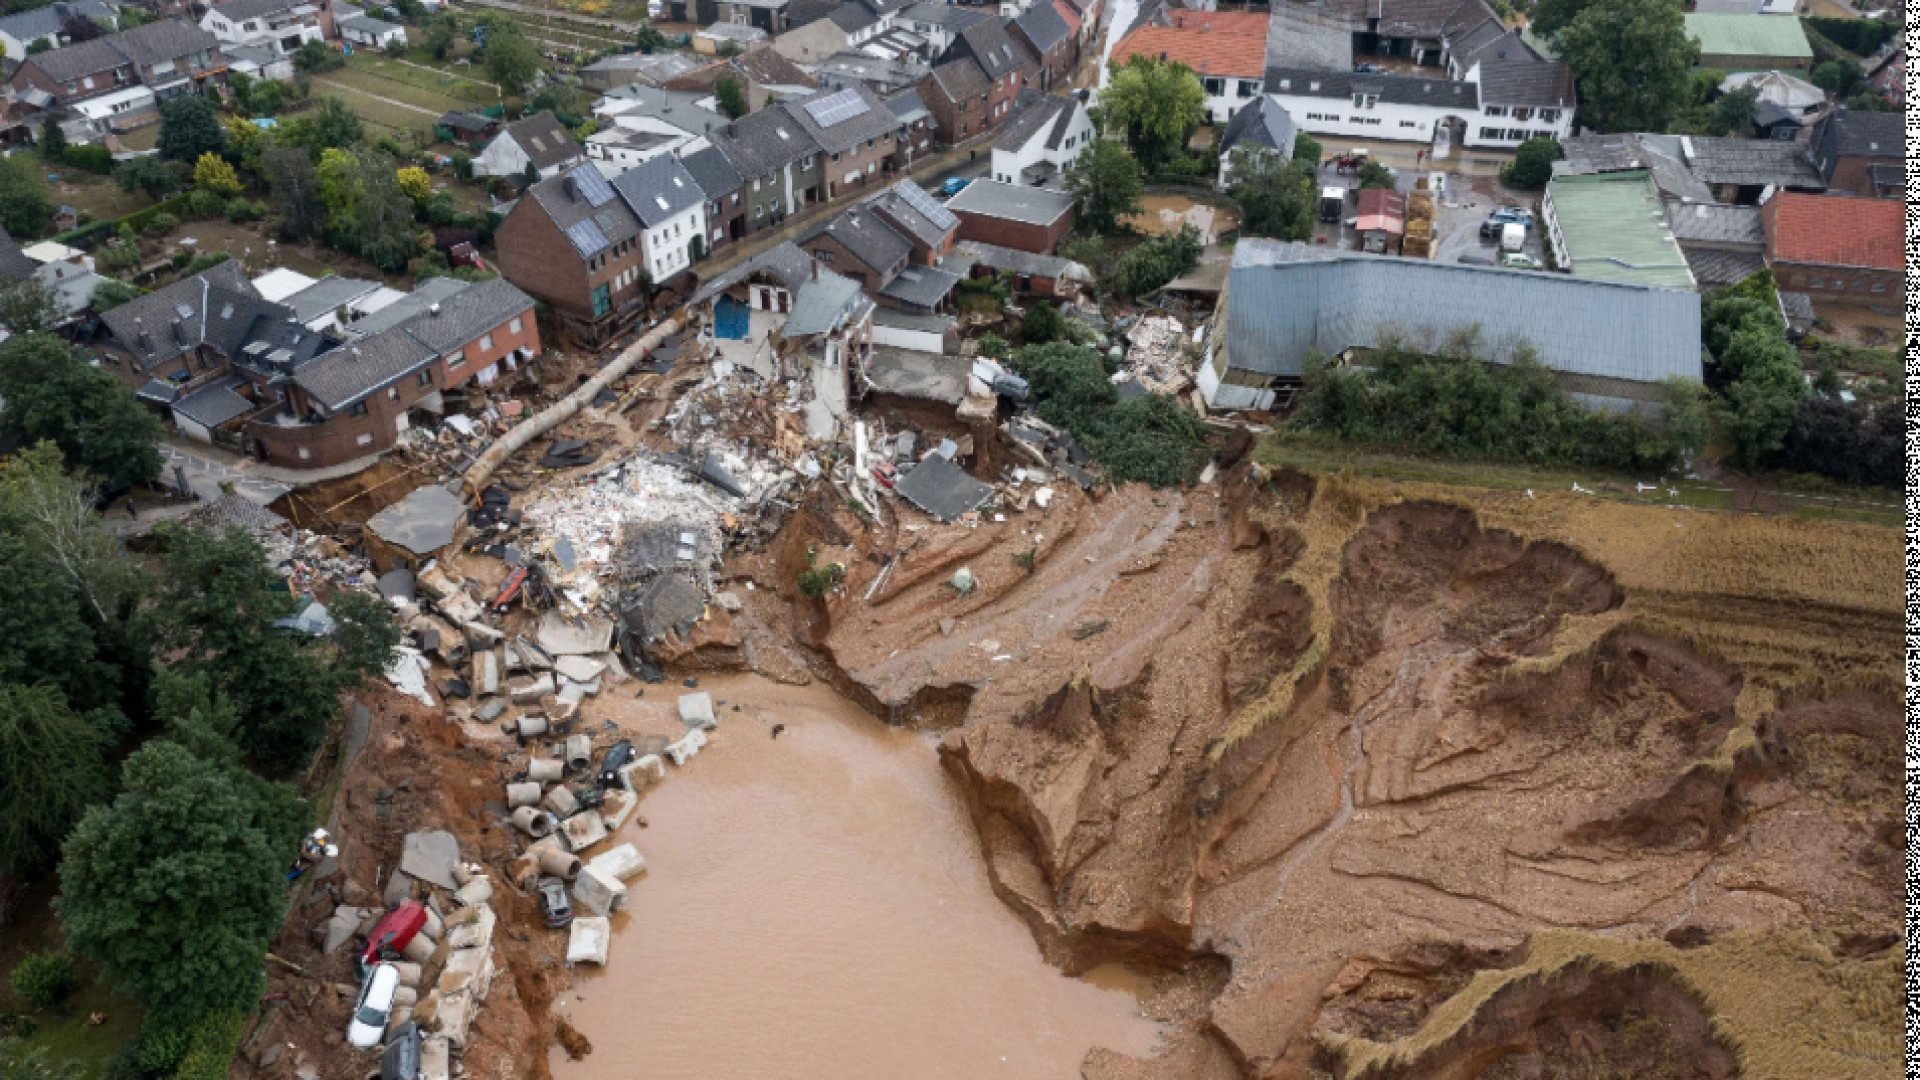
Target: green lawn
{"x":376,"y":112}
{"x":433,"y":102}
{"x":441,"y":83}
{"x":63,"y":1030}
{"x":97,"y":195}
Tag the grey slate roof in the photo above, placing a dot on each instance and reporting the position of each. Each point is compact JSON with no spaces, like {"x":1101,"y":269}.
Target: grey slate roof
{"x":239,"y":11}
{"x":955,"y":17}
{"x":825,"y":304}
{"x":367,"y":24}
{"x":1306,"y":39}
{"x":961,"y":80}
{"x":994,"y":49}
{"x":1394,"y":89}
{"x":658,"y":188}
{"x":759,"y":143}
{"x":1461,"y":50}
{"x":156,"y":313}
{"x":168,"y":39}
{"x":921,"y":286}
{"x":46,"y":21}
{"x":711,"y":170}
{"x":424,"y":295}
{"x":351,"y":372}
{"x":910,"y":208}
{"x":215,"y":403}
{"x":852,"y":17}
{"x":784,"y":261}
{"x":1290,"y":301}
{"x":907,"y":107}
{"x":1750,"y":162}
{"x":70,"y":63}
{"x":1863,"y":134}
{"x":1043,"y":26}
{"x":1034,"y":112}
{"x":423,"y":522}
{"x":1526,"y":80}
{"x":1659,"y":154}
{"x":942,"y":488}
{"x":592,"y":226}
{"x":866,"y":236}
{"x":873,"y":121}
{"x":13,"y":264}
{"x":1713,"y":267}
{"x":467,"y":314}
{"x":971,"y":253}
{"x":1266,"y":123}
{"x":1030,"y":205}
{"x":1717,"y":224}
{"x":326,"y":295}
{"x":544,"y":140}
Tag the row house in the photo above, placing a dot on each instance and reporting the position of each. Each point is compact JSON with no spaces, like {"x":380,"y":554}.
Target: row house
{"x":1042,"y":141}
{"x":1051,"y":39}
{"x":1007,"y":64}
{"x":166,"y":59}
{"x":916,"y":126}
{"x":938,"y":23}
{"x":1861,"y":153}
{"x":855,"y":131}
{"x":720,"y":182}
{"x":594,"y":251}
{"x":281,"y":26}
{"x":51,"y":26}
{"x":1410,"y":108}
{"x":778,"y":162}
{"x":957,"y":96}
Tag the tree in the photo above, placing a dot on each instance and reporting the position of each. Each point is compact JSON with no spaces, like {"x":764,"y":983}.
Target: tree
{"x":53,"y":766}
{"x":130,"y":17}
{"x":531,"y":173}
{"x":189,"y":128}
{"x":1374,"y":175}
{"x":24,"y":206}
{"x":509,"y":58}
{"x":296,"y":191}
{"x":212,"y":173}
{"x":335,"y":126}
{"x":1042,"y":324}
{"x":176,"y":889}
{"x":1842,"y":78}
{"x":158,"y":179}
{"x":53,"y":139}
{"x":383,"y":225}
{"x":414,"y":183}
{"x":1158,"y":104}
{"x":649,"y":38}
{"x":111,"y":293}
{"x":29,"y":307}
{"x":727,"y":93}
{"x":1549,"y":17}
{"x":441,"y":34}
{"x":50,"y":394}
{"x":365,"y":634}
{"x":79,"y":28}
{"x":1630,"y":61}
{"x":43,"y":979}
{"x":314,"y":57}
{"x":1532,"y":164}
{"x":397,"y":48}
{"x":1275,"y":195}
{"x":1735,"y":113}
{"x":267,"y":98}
{"x":1755,"y":416}
{"x":1154,"y":263}
{"x":1105,"y":183}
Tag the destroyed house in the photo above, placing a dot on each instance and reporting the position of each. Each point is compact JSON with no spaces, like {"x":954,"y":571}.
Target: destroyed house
{"x":782,"y":315}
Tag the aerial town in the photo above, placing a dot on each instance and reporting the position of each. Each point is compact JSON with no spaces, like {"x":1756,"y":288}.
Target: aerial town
{"x":845,"y":539}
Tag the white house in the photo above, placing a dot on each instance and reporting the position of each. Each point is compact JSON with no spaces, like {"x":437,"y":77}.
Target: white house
{"x":282,"y":25}
{"x":617,"y":149}
{"x":1495,"y":106}
{"x":1044,"y":137}
{"x":48,"y":24}
{"x":1262,"y":127}
{"x":371,"y":33}
{"x":539,"y":139}
{"x":672,"y":210}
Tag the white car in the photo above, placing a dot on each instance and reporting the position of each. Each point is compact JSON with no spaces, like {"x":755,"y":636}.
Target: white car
{"x":369,"y":1023}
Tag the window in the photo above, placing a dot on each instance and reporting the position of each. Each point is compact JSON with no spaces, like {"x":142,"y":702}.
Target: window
{"x":1549,"y":115}
{"x":364,"y":440}
{"x":486,"y":343}
{"x":1860,"y":286}
{"x":1408,"y":124}
{"x":87,"y":82}
{"x":515,"y":325}
{"x":736,"y":198}
{"x":836,"y":155}
{"x":393,"y":393}
{"x":1489,"y":133}
{"x":425,"y":378}
{"x":1817,"y":283}
{"x":1249,"y":87}
{"x":455,"y":359}
{"x":1495,"y":110}
{"x":358,"y":408}
{"x":1879,"y":286}
{"x":824,"y":256}
{"x":1365,"y":101}
{"x":756,"y":183}
{"x":1521,"y":112}
{"x":1215,"y":87}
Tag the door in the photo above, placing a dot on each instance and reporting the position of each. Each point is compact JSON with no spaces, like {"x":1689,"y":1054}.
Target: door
{"x":781,"y":295}
{"x":602,"y":301}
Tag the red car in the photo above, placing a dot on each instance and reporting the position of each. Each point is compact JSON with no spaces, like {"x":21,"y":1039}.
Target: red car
{"x":389,"y":936}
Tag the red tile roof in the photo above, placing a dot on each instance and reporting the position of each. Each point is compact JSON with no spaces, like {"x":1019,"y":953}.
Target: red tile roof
{"x":1221,"y":22}
{"x":1207,"y":52}
{"x":1832,"y":230}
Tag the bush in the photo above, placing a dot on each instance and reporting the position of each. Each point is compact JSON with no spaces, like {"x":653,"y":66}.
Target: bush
{"x":1152,"y":264}
{"x":140,"y":219}
{"x":1862,"y":37}
{"x":211,"y":1045}
{"x":1153,"y":439}
{"x":161,"y":225}
{"x":1532,"y":164}
{"x":94,"y":159}
{"x":87,"y":236}
{"x":205,"y":262}
{"x":43,"y":979}
{"x":315,"y":57}
{"x":240,"y":211}
{"x":819,"y":581}
{"x":203,"y":205}
{"x":1849,"y":441}
{"x":1042,"y":324}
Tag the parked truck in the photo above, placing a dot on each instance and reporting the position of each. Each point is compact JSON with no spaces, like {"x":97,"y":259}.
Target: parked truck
{"x":1333,"y":203}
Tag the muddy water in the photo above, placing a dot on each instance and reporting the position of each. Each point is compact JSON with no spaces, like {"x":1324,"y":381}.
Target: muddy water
{"x":816,"y":906}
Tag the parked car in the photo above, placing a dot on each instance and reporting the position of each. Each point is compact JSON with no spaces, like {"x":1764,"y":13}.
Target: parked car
{"x":390,"y":936}
{"x":1505,"y":215}
{"x":370,"y":1013}
{"x":555,"y":908}
{"x":954,"y":185}
{"x":617,"y":758}
{"x":401,"y":1059}
{"x":1515,"y":260}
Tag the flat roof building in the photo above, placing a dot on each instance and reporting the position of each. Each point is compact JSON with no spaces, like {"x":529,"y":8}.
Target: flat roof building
{"x":1613,"y":227}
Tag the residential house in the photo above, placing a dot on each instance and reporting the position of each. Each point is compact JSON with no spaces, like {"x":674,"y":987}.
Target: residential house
{"x":1613,"y":227}
{"x":781,"y":314}
{"x":1519,"y":89}
{"x":1861,"y":153}
{"x":767,"y":15}
{"x":1227,"y":51}
{"x":723,"y":35}
{"x":1045,"y":136}
{"x":1263,"y":126}
{"x":637,"y":107}
{"x":371,"y":33}
{"x":1045,"y":274}
{"x":780,"y":165}
{"x":762,"y":75}
{"x":1411,"y":108}
{"x":1838,"y":249}
{"x":279,"y":25}
{"x":539,"y":139}
{"x":1750,"y":42}
{"x":1024,"y":218}
{"x":624,"y":148}
{"x":50,"y":25}
{"x":671,"y":207}
{"x":916,"y":126}
{"x":858,"y":244}
{"x":882,"y":75}
{"x":1787,"y":104}
{"x":1888,"y":76}
{"x":1420,"y":31}
{"x":1311,"y":38}
{"x":1053,"y":43}
{"x":257,"y":62}
{"x":166,"y":59}
{"x":647,"y":69}
{"x":957,"y":97}
{"x":1608,"y":344}
{"x":720,"y":182}
{"x":1740,"y":171}
{"x":855,"y":130}
{"x":928,"y":226}
{"x":1084,"y":17}
{"x":1007,"y":64}
{"x":938,"y":23}
{"x":811,"y":43}
{"x":575,"y":243}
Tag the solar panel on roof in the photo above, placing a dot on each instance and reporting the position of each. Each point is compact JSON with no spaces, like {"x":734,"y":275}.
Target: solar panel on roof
{"x":587,"y":239}
{"x":836,"y":108}
{"x":592,"y":185}
{"x":924,"y":205}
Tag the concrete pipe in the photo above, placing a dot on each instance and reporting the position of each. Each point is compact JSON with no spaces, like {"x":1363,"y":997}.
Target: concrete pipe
{"x":560,"y":800}
{"x":405,"y":997}
{"x":433,"y":928}
{"x":419,"y":950}
{"x":579,"y":753}
{"x":409,"y":972}
{"x":534,"y":822}
{"x":531,"y":726}
{"x":399,"y":1018}
{"x":519,"y":795}
{"x":546,"y":770}
{"x":560,"y":864}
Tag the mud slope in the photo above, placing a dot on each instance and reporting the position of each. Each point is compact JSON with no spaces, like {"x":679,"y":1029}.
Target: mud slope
{"x":1340,"y":753}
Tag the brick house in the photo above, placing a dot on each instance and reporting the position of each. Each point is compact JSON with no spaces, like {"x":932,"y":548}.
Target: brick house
{"x":780,"y":165}
{"x":1861,"y":153}
{"x":855,"y":130}
{"x":916,"y":132}
{"x":1837,"y":249}
{"x":1007,"y":215}
{"x":763,"y":75}
{"x":858,"y":244}
{"x":1052,"y":40}
{"x":913,"y":213}
{"x":956,"y":96}
{"x":720,"y":182}
{"x":1008,"y":64}
{"x":169,"y":58}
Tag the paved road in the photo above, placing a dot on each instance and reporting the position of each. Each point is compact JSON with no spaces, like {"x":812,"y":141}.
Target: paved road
{"x":206,"y":472}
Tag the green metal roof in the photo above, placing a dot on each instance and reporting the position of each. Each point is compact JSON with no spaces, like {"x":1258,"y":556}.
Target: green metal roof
{"x":1777,"y":36}
{"x":1615,"y":229}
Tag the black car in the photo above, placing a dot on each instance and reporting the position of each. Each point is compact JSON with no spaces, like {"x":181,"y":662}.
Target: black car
{"x":555,"y":908}
{"x":401,"y":1059}
{"x":616,"y":759}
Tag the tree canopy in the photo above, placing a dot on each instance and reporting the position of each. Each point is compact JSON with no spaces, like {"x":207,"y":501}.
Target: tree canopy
{"x":1105,"y":183}
{"x":51,"y":394}
{"x":508,"y":57}
{"x":53,"y":766}
{"x":1532,"y":164}
{"x":25,"y":208}
{"x":727,"y":94}
{"x":1275,"y":195}
{"x":1158,"y":104}
{"x":1630,"y":61}
{"x":189,"y":128}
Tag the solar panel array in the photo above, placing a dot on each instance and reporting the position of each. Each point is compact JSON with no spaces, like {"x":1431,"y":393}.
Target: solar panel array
{"x":836,"y":108}
{"x":924,"y":205}
{"x":587,"y":239}
{"x":592,"y":185}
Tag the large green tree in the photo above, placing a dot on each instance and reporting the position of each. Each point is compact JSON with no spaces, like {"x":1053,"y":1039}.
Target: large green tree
{"x":28,"y":307}
{"x":53,"y":766}
{"x":1105,"y":183}
{"x":509,"y":58}
{"x":1275,"y":194}
{"x":383,"y":225}
{"x":188,"y":128}
{"x":176,"y":888}
{"x":727,"y":94}
{"x":50,"y":394}
{"x":1631,"y":61}
{"x":1157,"y":103}
{"x":296,"y":191}
{"x":24,"y":206}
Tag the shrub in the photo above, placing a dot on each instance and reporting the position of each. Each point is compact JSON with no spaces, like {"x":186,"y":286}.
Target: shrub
{"x":1532,"y":164}
{"x":1042,"y":324}
{"x":1157,"y":261}
{"x":212,"y":1042}
{"x":240,"y":211}
{"x":43,"y":979}
{"x":94,"y":159}
{"x":819,"y":581}
{"x":204,"y":205}
{"x":162,"y":224}
{"x":1153,"y":439}
{"x":205,"y":262}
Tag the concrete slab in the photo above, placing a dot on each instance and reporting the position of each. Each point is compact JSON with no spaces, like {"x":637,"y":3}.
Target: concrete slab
{"x":582,"y":831}
{"x":589,"y":940}
{"x":689,"y":744}
{"x":436,"y":1059}
{"x":696,"y":711}
{"x":599,"y":893}
{"x":561,"y":637}
{"x":455,"y":1015}
{"x":617,"y":807}
{"x":430,"y":857}
{"x":341,"y":928}
{"x":581,"y":669}
{"x":623,"y":863}
{"x":475,"y":932}
{"x":531,"y":693}
{"x":477,"y":891}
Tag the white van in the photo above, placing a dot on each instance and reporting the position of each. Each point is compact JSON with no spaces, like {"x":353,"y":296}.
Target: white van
{"x":1513,"y":236}
{"x":369,"y":1023}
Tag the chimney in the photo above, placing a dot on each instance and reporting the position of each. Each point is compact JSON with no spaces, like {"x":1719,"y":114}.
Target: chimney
{"x":140,"y":333}
{"x":434,"y":310}
{"x":572,"y":188}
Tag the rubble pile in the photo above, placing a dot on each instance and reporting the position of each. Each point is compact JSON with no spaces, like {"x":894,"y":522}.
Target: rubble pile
{"x":1157,"y":355}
